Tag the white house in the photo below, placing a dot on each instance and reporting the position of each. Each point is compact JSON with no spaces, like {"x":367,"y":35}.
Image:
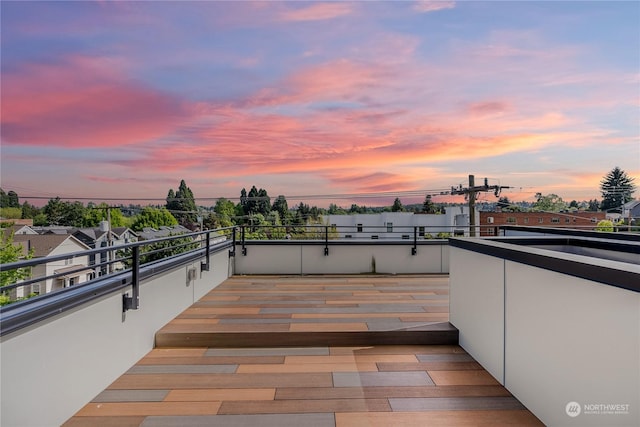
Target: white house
{"x":73,"y":270}
{"x":402,"y":225}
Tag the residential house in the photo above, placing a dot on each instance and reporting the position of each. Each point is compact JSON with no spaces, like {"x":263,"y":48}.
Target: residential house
{"x":71,"y":271}
{"x":18,"y":229}
{"x":631,"y":212}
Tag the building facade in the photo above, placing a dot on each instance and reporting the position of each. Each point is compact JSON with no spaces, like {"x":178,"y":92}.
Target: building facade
{"x":491,"y":221}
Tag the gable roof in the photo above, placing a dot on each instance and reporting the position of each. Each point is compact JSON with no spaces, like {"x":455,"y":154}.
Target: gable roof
{"x":17,"y":229}
{"x":44,"y":244}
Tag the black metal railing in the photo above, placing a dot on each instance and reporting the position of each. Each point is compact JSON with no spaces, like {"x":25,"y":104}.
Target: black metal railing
{"x":126,"y":266}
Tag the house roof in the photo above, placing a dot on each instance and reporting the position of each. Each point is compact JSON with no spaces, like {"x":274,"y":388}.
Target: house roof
{"x":119,"y":231}
{"x":44,"y":244}
{"x":149,"y":233}
{"x":17,"y":229}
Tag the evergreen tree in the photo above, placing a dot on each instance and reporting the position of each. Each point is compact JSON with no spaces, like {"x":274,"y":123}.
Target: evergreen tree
{"x":397,"y":206}
{"x":428,"y":206}
{"x":617,"y":189}
{"x":280,"y":205}
{"x":183,"y":205}
{"x":9,"y":200}
{"x":263,"y":204}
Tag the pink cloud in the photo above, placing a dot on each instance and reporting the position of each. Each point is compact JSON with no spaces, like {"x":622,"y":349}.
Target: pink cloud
{"x":317,"y":12}
{"x":426,"y":6}
{"x":488,"y":108}
{"x":80,"y":102}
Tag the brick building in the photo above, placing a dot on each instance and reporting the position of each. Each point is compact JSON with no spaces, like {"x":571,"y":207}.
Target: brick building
{"x":490,"y":221}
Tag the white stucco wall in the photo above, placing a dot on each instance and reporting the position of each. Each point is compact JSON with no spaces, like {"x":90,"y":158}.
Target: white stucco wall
{"x":551,"y":338}
{"x":59,"y":364}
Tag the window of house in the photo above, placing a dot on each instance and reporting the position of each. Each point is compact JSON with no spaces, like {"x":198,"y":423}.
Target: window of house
{"x":359,"y":228}
{"x":594,"y":220}
{"x":489,"y":231}
{"x":389,"y":227}
{"x":35,"y":288}
{"x":555,"y":220}
{"x":421,"y":231}
{"x":374,"y":237}
{"x":567,"y":220}
{"x":406,"y":237}
{"x":540,"y":220}
{"x":348,"y":236}
{"x":526,"y":220}
{"x":511,"y":220}
{"x":490,"y":220}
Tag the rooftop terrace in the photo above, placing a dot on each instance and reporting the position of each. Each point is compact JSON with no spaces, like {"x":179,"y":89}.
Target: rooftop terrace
{"x":317,"y":351}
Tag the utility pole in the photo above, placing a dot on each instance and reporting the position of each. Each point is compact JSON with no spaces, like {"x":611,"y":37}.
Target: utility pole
{"x":471,"y":194}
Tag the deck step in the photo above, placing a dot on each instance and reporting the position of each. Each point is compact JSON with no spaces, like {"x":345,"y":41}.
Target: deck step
{"x":433,"y":334}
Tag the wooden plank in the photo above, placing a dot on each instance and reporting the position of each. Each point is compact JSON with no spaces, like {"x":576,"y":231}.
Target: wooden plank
{"x":323,"y":327}
{"x":148,"y":408}
{"x":429,"y":366}
{"x":462,"y":378}
{"x":114,"y":421}
{"x":208,"y":395}
{"x":358,"y":358}
{"x":437,"y":418}
{"x":304,"y":406}
{"x":388,"y":392}
{"x":303,"y":367}
{"x":190,"y":381}
{"x":228,"y":360}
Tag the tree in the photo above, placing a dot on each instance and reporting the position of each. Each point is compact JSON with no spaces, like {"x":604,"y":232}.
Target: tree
{"x":397,"y":206}
{"x":154,"y":218}
{"x":64,"y":213}
{"x":428,"y":206}
{"x":263,"y":204}
{"x":182,"y":204}
{"x":9,"y":200}
{"x":10,"y":252}
{"x":280,"y":205}
{"x":617,"y":189}
{"x":549,"y":203}
{"x":224,"y":211}
{"x":593,"y":205}
{"x":95,"y":214}
{"x":11,"y":213}
{"x":29,"y":211}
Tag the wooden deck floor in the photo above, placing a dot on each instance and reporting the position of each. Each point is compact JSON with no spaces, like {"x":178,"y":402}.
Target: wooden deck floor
{"x":193,"y":378}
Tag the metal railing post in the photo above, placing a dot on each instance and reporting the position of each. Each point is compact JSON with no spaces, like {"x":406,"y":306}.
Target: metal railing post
{"x":232,"y":251}
{"x":244,"y":248}
{"x":326,"y":240}
{"x":204,"y":266}
{"x":132,"y":302}
{"x":414,"y":249}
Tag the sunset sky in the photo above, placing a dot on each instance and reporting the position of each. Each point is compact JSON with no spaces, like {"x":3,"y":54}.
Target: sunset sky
{"x":124,"y":99}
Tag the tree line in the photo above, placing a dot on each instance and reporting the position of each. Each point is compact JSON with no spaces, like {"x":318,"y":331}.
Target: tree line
{"x":255,"y":208}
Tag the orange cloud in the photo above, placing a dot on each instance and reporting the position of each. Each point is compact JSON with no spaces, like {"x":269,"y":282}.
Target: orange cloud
{"x":82,"y":102}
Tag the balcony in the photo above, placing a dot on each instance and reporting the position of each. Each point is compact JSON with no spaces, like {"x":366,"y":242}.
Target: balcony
{"x":327,"y":333}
